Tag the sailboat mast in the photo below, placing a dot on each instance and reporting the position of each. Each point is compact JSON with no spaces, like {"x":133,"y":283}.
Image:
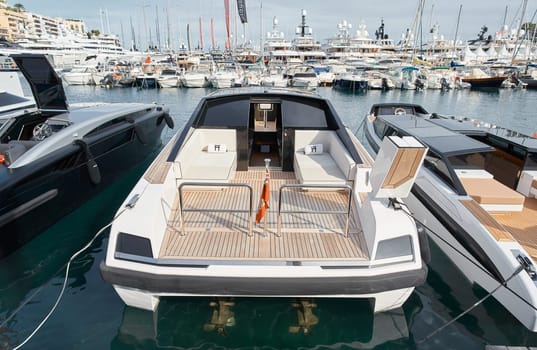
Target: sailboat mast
{"x":107,"y":22}
{"x":122,"y":34}
{"x":504,"y":17}
{"x":101,"y":18}
{"x":212,"y":34}
{"x":188,"y":37}
{"x":201,"y":34}
{"x":261,"y":44}
{"x":168,"y":31}
{"x":133,"y":34}
{"x":517,"y":47}
{"x":457,"y":30}
{"x":157,"y":32}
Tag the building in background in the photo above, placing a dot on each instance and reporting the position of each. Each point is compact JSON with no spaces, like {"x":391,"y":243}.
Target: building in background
{"x":16,"y":23}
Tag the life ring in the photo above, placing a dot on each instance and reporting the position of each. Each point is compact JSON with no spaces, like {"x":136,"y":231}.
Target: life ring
{"x":399,"y":111}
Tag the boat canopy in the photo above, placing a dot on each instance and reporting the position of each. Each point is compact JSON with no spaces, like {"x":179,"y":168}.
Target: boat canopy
{"x":46,"y":85}
{"x":438,"y":138}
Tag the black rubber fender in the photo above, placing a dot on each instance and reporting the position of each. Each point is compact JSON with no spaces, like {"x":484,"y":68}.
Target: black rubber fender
{"x":169,"y":120}
{"x":425,"y":250}
{"x":94,"y":172}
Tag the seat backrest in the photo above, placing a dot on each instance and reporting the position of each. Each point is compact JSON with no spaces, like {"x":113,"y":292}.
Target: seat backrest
{"x":14,"y":151}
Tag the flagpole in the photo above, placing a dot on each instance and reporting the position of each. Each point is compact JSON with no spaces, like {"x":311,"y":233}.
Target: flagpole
{"x":267,"y":177}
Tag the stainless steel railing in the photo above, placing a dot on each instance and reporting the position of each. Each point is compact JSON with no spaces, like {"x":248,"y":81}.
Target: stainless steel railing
{"x":302,"y":186}
{"x":221,"y":210}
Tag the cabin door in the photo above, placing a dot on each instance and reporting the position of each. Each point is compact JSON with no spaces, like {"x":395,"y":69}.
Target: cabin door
{"x":266,"y":133}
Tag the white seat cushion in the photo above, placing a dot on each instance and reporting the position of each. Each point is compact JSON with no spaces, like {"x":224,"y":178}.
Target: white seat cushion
{"x":318,"y":169}
{"x":210,"y":166}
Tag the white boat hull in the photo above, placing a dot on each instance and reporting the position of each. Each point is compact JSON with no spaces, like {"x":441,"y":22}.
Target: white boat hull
{"x":78,"y":78}
{"x":476,"y":273}
{"x":195,"y":82}
{"x":169,"y":82}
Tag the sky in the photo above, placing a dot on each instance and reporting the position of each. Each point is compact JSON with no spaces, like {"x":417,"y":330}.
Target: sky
{"x":322,"y":16}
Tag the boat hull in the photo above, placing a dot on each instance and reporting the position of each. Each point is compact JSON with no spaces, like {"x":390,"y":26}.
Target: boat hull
{"x":520,"y":297}
{"x":143,"y":289}
{"x":470,"y":247}
{"x":484,"y":83}
{"x":30,"y":206}
{"x":146,"y":82}
{"x":350,"y":85}
{"x":530,"y":82}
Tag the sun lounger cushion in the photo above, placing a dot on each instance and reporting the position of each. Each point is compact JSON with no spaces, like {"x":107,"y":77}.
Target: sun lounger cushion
{"x":493,"y":193}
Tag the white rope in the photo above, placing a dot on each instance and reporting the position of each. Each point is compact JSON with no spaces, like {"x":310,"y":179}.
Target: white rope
{"x":73,"y":257}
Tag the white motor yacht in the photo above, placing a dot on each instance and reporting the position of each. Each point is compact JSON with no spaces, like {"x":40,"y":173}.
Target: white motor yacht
{"x":325,"y":225}
{"x":477,"y":195}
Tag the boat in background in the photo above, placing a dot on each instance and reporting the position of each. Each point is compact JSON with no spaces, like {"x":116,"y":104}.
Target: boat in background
{"x":352,"y":81}
{"x":481,"y":80}
{"x":54,"y":157}
{"x":477,"y":193}
{"x":169,"y":78}
{"x":325,"y":226}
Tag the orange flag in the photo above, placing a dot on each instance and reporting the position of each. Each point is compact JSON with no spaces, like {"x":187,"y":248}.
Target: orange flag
{"x":264,"y":201}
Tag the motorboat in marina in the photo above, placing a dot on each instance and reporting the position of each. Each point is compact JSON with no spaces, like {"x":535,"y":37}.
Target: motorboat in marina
{"x":274,"y":76}
{"x":169,"y":78}
{"x":80,"y":75}
{"x":196,"y":77}
{"x":378,"y":80}
{"x":302,"y":76}
{"x":529,"y":79}
{"x":54,"y":157}
{"x":325,"y":227}
{"x":479,"y":79}
{"x":477,"y":195}
{"x":351,"y":81}
{"x":226,"y":75}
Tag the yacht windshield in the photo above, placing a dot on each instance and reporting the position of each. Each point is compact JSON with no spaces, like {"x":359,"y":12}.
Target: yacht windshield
{"x":469,"y":161}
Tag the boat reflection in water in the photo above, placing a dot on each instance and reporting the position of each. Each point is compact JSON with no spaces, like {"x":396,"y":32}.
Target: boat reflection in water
{"x":179,"y":323}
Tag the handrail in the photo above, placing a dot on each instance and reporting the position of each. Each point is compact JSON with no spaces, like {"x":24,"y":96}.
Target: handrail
{"x":216,"y":184}
{"x":340,"y":187}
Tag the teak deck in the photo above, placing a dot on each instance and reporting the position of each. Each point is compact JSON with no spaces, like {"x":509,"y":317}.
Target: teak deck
{"x":224,"y":235}
{"x":522,"y":225}
{"x":509,"y":226}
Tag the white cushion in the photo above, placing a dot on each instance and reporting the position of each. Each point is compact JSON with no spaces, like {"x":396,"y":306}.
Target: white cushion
{"x":210,"y":166}
{"x":313,"y":149}
{"x":217,"y":148}
{"x":319,"y":169}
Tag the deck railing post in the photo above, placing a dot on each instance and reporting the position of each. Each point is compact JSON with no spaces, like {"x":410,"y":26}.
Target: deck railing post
{"x":347,"y":212}
{"x":250,"y":210}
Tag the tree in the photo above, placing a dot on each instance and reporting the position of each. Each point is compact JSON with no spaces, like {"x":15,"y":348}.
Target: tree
{"x":529,"y":29}
{"x":93,"y":33}
{"x":19,"y":7}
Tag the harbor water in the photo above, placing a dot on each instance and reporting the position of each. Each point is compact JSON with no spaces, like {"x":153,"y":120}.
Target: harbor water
{"x":91,"y":315}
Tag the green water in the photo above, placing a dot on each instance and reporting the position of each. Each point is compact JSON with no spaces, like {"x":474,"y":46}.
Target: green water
{"x":91,"y":315}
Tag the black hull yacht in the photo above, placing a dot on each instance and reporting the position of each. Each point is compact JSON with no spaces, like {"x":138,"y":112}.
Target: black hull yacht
{"x":54,"y":157}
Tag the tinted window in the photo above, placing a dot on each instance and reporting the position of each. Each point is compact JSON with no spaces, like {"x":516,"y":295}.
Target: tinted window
{"x":379,"y":127}
{"x":301,"y":115}
{"x":226,"y":114}
{"x":531,"y":161}
{"x":437,"y":165}
{"x":468,"y":161}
